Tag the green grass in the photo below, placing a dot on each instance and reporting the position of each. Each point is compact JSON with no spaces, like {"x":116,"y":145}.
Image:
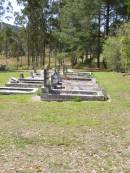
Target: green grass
{"x":4,"y":77}
{"x":69,"y":136}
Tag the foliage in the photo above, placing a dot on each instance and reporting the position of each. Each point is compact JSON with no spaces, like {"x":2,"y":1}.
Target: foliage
{"x":117,"y":49}
{"x":75,"y":27}
{"x":112,"y":53}
{"x":128,"y":5}
{"x":10,"y":43}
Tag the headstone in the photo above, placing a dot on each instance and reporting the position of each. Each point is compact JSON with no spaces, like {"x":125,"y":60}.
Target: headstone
{"x":21,"y":76}
{"x":59,"y":77}
{"x":31,"y":74}
{"x":42,"y":73}
{"x":46,"y":76}
{"x":56,"y":79}
{"x":64,"y":69}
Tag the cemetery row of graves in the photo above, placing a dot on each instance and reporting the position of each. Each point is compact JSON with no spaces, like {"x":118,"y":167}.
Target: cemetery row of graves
{"x":57,"y":85}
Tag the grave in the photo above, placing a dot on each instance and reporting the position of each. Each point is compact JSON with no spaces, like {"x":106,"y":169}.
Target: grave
{"x":34,"y":81}
{"x":82,"y":86}
{"x":16,"y":90}
{"x":22,"y":85}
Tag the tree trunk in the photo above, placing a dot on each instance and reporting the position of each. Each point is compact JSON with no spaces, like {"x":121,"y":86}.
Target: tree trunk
{"x":73,"y":61}
{"x":21,"y":61}
{"x":17,"y":62}
{"x":107,"y":18}
{"x":28,"y":49}
{"x":99,"y":40}
{"x":44,"y":53}
{"x":49,"y":63}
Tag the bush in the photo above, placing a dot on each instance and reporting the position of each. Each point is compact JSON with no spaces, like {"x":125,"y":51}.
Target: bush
{"x":77,"y":99}
{"x":3,"y":68}
{"x":112,"y":53}
{"x":116,"y":50}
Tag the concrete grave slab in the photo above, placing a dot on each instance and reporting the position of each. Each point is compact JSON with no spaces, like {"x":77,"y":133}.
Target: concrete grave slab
{"x":82,"y":86}
{"x":16,"y":90}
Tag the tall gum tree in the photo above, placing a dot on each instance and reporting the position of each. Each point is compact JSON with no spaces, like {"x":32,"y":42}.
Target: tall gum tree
{"x":35,"y":11}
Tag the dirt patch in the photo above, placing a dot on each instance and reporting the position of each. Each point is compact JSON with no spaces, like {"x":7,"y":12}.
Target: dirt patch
{"x":126,"y":95}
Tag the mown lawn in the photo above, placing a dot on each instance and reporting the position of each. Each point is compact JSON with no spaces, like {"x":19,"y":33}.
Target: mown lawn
{"x":81,"y":137}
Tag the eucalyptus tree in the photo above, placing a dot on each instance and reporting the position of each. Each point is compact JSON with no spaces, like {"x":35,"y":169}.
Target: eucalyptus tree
{"x":36,"y":11}
{"x":5,"y":9}
{"x":113,"y":11}
{"x":75,"y":26}
{"x":10,"y":44}
{"x":1,"y":8}
{"x":128,"y":5}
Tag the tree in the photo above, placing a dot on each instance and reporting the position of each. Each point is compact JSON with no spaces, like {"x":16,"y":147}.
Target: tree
{"x":35,"y":11}
{"x":2,"y":11}
{"x":76,"y":28}
{"x":5,"y":8}
{"x":119,"y":57}
{"x":128,"y":5}
{"x":74,"y":31}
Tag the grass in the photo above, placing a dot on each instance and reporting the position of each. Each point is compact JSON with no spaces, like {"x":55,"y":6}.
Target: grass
{"x":70,"y":136}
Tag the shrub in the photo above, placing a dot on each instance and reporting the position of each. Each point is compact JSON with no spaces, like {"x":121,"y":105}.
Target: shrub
{"x":116,"y":50}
